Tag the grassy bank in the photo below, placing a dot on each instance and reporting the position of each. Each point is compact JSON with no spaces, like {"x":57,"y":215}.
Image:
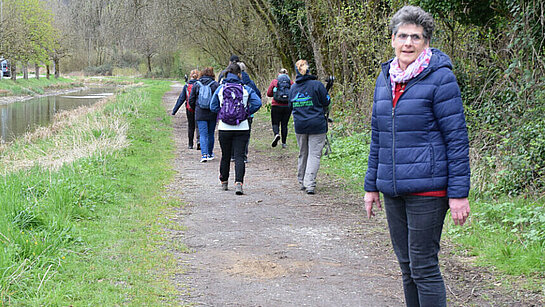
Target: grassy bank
{"x":33,"y":86}
{"x":85,"y":233}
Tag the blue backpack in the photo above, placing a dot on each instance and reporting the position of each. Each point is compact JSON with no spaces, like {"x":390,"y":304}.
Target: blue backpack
{"x":205,"y":95}
{"x":233,"y":111}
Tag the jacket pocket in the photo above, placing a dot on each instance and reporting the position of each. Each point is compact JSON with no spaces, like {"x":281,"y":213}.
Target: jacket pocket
{"x":432,"y":160}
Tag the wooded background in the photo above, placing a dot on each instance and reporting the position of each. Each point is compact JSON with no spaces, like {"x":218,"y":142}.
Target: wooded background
{"x":497,"y":48}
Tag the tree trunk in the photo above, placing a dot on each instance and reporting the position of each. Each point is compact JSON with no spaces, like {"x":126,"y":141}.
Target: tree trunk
{"x":149,"y":64}
{"x":47,"y":71}
{"x":25,"y":71}
{"x":13,"y":71}
{"x":57,"y":68}
{"x":278,"y":39}
{"x":315,"y":42}
{"x":37,"y":71}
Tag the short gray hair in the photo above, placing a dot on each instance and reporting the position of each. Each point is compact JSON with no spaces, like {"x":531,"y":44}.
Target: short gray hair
{"x":413,"y":15}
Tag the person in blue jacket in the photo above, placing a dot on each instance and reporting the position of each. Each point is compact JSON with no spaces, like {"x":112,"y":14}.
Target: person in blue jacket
{"x":233,"y":138}
{"x":190,"y":112}
{"x":309,"y":101}
{"x":206,"y":119}
{"x":419,"y":153}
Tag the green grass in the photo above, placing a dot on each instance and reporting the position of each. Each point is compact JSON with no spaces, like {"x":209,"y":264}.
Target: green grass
{"x":91,"y":232}
{"x":34,"y":86}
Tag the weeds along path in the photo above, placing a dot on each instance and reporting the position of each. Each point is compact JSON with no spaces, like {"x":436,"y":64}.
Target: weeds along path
{"x":275,"y":245}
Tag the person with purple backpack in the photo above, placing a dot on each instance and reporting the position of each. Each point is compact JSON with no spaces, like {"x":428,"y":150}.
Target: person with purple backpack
{"x":234,"y":103}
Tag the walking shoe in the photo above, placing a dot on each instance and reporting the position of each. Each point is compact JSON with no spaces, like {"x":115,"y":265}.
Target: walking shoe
{"x":238,"y":188}
{"x":232,"y":159}
{"x":210,"y":157}
{"x":204,"y":158}
{"x":284,"y":145}
{"x":224,"y":186}
{"x":302,"y":187}
{"x":310,"y":191}
{"x":275,"y":141}
{"x":198,"y":146}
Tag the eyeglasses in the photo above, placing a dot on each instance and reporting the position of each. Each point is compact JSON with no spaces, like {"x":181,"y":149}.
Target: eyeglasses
{"x":415,"y":38}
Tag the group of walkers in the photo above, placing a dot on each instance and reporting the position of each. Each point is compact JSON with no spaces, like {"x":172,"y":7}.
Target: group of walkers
{"x":231,"y":102}
{"x":419,"y":150}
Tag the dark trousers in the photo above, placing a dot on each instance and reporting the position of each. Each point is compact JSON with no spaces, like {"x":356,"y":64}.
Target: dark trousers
{"x":280,"y":117}
{"x":191,"y":127}
{"x":415,"y":224}
{"x":233,"y":141}
{"x":250,"y":121}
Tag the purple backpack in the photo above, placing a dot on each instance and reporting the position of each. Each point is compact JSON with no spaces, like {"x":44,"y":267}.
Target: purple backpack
{"x":233,"y":111}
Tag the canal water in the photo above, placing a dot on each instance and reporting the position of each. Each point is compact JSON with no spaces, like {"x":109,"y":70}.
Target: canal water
{"x":25,"y":116}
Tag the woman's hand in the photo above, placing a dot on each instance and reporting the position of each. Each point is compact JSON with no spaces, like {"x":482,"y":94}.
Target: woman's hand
{"x":371,"y":198}
{"x":459,"y":209}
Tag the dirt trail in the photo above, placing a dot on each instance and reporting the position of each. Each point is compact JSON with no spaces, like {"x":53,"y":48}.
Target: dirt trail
{"x":276,"y":246}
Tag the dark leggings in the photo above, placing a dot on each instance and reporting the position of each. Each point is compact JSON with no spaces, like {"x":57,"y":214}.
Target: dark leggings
{"x":233,"y":141}
{"x":280,"y":117}
{"x":191,"y":127}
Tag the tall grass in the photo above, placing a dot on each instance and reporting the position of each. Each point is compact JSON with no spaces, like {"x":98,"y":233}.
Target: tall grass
{"x":85,"y":232}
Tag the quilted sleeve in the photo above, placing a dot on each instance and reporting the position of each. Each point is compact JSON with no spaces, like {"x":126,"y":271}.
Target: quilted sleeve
{"x":372,"y":163}
{"x":449,"y":113}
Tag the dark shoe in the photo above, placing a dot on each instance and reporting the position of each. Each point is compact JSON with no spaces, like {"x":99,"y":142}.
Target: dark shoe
{"x":284,"y":146}
{"x":310,"y":191}
{"x":198,"y":146}
{"x":275,"y":141}
{"x":190,"y":146}
{"x":224,"y":185}
{"x":238,"y":188}
{"x":302,"y":187}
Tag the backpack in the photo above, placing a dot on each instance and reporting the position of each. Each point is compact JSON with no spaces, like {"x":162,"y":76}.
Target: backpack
{"x":188,"y":92}
{"x":233,"y":111}
{"x":205,"y":95}
{"x":282,"y":89}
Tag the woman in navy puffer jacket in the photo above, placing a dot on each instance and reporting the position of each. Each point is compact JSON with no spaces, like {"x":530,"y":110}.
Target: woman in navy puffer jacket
{"x":419,"y":154}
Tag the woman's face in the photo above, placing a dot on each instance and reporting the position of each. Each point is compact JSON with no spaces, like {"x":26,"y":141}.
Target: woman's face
{"x":408,"y":43}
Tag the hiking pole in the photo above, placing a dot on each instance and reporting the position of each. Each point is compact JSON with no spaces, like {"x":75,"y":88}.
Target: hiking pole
{"x":330,"y":80}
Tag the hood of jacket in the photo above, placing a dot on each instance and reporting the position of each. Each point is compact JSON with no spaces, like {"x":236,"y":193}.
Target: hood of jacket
{"x":192,"y":81}
{"x":302,"y":78}
{"x":206,"y":80}
{"x":232,"y":78}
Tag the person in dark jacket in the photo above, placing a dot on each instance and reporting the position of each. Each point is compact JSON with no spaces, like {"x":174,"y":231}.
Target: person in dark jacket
{"x":280,"y":111}
{"x":233,"y":138}
{"x":233,"y":59}
{"x":206,"y":119}
{"x":419,"y":154}
{"x":190,"y":112}
{"x":309,"y":101}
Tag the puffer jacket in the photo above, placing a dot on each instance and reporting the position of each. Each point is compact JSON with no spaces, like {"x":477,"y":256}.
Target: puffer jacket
{"x":309,"y":101}
{"x":202,"y":114}
{"x":421,"y":145}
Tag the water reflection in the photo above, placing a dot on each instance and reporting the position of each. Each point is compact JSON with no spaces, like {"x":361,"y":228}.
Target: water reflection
{"x":21,"y":117}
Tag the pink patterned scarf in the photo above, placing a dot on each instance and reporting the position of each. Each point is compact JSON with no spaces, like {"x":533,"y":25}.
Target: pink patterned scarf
{"x":414,"y":69}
